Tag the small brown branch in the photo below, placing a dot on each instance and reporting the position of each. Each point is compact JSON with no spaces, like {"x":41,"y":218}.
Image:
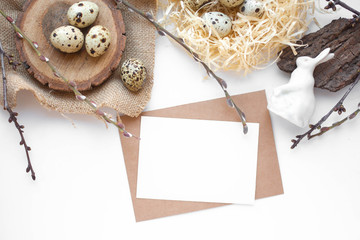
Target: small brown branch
{"x":163,"y":32}
{"x":71,"y":84}
{"x":332,"y":4}
{"x":11,"y":61}
{"x":13,"y":115}
{"x":336,"y":124}
{"x":337,"y":108}
{"x":2,"y":54}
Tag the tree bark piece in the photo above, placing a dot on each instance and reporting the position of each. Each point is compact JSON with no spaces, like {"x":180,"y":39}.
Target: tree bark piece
{"x":342,"y":36}
{"x":41,"y":17}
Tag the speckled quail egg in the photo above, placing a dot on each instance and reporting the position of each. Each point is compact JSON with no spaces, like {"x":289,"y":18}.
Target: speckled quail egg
{"x":231,"y":3}
{"x":253,"y":8}
{"x":83,"y":14}
{"x":68,"y":39}
{"x":97,"y":41}
{"x":195,"y":4}
{"x":220,"y":22}
{"x":133,"y":74}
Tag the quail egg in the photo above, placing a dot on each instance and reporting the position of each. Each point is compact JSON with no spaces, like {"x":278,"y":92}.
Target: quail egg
{"x":68,"y":39}
{"x":97,"y":41}
{"x":253,"y":8}
{"x":195,"y":4}
{"x":231,"y":3}
{"x":220,"y":22}
{"x":133,"y":74}
{"x":83,"y":14}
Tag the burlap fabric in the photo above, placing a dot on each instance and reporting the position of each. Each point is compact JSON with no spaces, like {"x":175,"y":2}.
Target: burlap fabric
{"x":140,"y":44}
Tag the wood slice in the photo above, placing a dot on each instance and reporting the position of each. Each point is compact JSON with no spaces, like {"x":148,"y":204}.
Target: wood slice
{"x":41,"y":17}
{"x":342,"y":36}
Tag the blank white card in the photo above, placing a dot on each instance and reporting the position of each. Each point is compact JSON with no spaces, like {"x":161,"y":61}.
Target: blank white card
{"x":197,"y":160}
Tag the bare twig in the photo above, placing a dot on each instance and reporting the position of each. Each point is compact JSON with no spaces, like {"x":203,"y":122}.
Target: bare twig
{"x":163,"y":32}
{"x":336,"y":124}
{"x":71,"y":84}
{"x":13,"y":115}
{"x":337,"y":108}
{"x":11,"y":60}
{"x":332,"y":4}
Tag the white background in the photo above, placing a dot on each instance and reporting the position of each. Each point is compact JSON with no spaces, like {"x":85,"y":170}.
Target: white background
{"x":82,"y":190}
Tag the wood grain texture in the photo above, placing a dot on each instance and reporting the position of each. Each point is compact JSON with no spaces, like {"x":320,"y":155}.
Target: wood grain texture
{"x":342,"y":36}
{"x":41,"y":17}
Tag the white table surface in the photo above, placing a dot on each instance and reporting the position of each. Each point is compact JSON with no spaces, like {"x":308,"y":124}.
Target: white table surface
{"x":82,"y":191}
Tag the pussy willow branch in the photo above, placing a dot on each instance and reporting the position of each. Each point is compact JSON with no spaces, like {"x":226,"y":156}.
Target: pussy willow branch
{"x":13,"y":115}
{"x":337,"y":108}
{"x":337,"y":124}
{"x":163,"y":32}
{"x":71,"y":84}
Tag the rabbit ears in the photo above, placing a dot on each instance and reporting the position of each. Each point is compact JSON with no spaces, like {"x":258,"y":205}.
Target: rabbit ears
{"x":324,"y":56}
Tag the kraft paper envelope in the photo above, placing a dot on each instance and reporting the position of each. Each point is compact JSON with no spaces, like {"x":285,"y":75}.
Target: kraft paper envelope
{"x":268,"y":179}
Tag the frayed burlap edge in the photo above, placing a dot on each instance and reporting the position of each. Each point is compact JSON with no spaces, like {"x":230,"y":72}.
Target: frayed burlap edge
{"x":140,"y":44}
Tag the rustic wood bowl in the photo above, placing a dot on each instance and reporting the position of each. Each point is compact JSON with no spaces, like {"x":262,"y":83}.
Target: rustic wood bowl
{"x":41,"y":17}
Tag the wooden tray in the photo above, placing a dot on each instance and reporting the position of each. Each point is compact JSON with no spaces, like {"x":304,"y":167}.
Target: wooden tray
{"x":41,"y":17}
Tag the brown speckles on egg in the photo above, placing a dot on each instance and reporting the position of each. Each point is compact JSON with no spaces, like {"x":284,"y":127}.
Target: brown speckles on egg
{"x":92,"y":51}
{"x":83,"y":14}
{"x":94,"y":41}
{"x":132,"y":77}
{"x":217,"y":23}
{"x":78,"y":17}
{"x":252,"y":8}
{"x":67,"y":39}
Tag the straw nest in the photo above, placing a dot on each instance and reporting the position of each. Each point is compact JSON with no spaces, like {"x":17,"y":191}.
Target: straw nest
{"x":253,"y":42}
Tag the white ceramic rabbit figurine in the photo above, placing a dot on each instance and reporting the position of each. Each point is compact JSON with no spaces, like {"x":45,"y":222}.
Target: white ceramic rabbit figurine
{"x":295,"y":101}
